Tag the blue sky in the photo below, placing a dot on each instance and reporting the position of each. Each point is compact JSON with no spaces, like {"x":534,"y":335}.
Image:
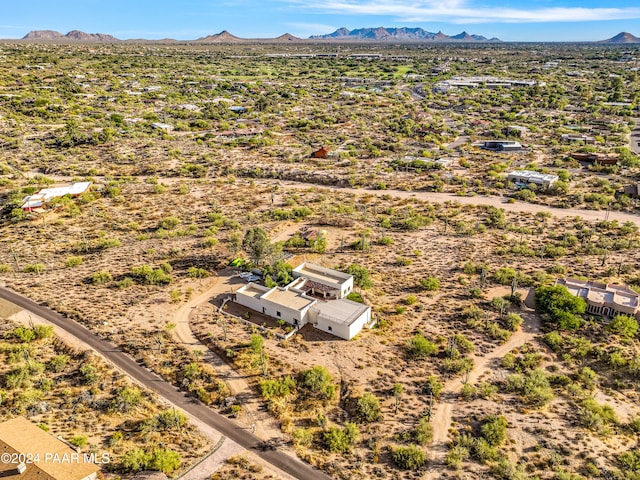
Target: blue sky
{"x":532,"y":20}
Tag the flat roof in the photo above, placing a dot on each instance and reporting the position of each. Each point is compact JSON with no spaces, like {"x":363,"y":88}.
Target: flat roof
{"x":341,"y":311}
{"x":601,"y":293}
{"x":19,"y":435}
{"x":289,"y":298}
{"x":253,"y":290}
{"x":321,"y":273}
{"x":75,"y":189}
{"x":531,"y":175}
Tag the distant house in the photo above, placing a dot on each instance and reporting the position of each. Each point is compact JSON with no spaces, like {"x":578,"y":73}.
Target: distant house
{"x":597,"y":158}
{"x":321,"y":153}
{"x":577,"y":137}
{"x":526,"y":177}
{"x":44,"y":196}
{"x":56,"y":460}
{"x":502,"y":146}
{"x":606,"y":299}
{"x":316,"y":296}
{"x":162,"y":126}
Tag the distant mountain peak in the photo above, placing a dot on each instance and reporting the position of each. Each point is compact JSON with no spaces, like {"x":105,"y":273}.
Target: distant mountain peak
{"x":76,"y":35}
{"x":622,"y":37}
{"x":42,"y":35}
{"x":399,"y":35}
{"x":222,"y":37}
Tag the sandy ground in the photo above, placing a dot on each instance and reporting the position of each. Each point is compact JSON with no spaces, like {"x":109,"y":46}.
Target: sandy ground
{"x":259,"y":421}
{"x":441,"y":419}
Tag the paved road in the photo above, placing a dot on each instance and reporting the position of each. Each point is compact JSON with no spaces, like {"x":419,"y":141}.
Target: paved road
{"x":124,"y":362}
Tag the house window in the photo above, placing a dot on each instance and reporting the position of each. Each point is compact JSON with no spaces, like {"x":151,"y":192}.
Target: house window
{"x":329,"y":327}
{"x":278,"y":314}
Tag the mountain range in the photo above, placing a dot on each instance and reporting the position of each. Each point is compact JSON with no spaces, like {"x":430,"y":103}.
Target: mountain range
{"x":399,"y":35}
{"x":73,"y":35}
{"x":379,"y":34}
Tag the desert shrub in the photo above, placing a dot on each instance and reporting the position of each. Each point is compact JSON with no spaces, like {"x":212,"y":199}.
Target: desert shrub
{"x":126,"y":399}
{"x":596,"y":417}
{"x":105,"y":243}
{"x":340,"y":440}
{"x":24,"y":334}
{"x":73,"y":261}
{"x":316,"y":383}
{"x":169,"y":223}
{"x":150,"y":276}
{"x":278,"y":388}
{"x":513,"y":321}
{"x":58,"y":363}
{"x":423,"y":432}
{"x":101,"y":277}
{"x":34,"y":268}
{"x":303,"y":437}
{"x":419,"y":347}
{"x":79,"y":441}
{"x":533,"y":387}
{"x":456,"y":456}
{"x":463,"y":344}
{"x":554,"y":340}
{"x":494,"y":430}
{"x":195,"y":272}
{"x":368,"y":408}
{"x":430,"y":284}
{"x":483,"y":451}
{"x":433,"y":386}
{"x":164,"y":460}
{"x":624,"y":325}
{"x":410,"y":457}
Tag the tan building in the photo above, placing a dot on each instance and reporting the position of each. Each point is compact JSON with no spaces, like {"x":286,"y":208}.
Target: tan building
{"x":37,"y":455}
{"x":604,"y":299}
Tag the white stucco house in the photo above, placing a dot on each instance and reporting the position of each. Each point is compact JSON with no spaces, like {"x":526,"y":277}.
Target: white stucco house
{"x":316,"y":296}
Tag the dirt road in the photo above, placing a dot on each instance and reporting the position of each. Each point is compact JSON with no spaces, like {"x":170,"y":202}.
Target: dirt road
{"x":500,"y":202}
{"x":441,"y":420}
{"x":262,"y":424}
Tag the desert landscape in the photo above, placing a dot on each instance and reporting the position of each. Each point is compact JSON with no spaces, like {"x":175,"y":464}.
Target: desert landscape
{"x":207,"y":163}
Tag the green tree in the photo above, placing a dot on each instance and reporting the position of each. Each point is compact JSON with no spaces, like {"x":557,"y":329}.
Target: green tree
{"x":256,"y":244}
{"x":361,"y":276}
{"x":561,"y":307}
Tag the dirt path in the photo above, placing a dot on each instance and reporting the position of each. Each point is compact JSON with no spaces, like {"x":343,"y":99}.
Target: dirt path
{"x":442,"y":416}
{"x":500,"y":202}
{"x":255,"y":419}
